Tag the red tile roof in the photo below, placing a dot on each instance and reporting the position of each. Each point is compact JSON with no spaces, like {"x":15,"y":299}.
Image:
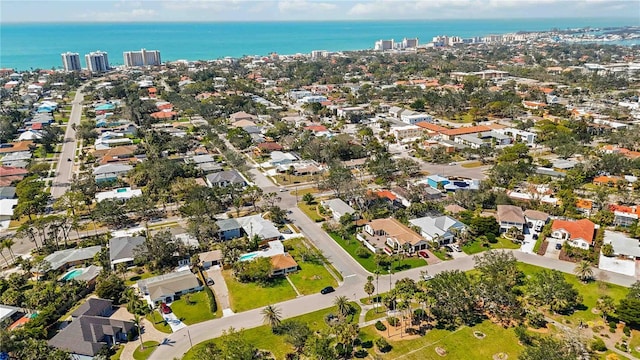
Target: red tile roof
{"x":466,"y":130}
{"x":271,"y":146}
{"x":316,"y":128}
{"x":164,"y":114}
{"x":581,"y":229}
{"x":12,"y":171}
{"x":386,"y":194}
{"x":625,"y":209}
{"x":431,"y":127}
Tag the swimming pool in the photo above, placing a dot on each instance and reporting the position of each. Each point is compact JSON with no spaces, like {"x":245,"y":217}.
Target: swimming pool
{"x":248,"y":256}
{"x":72,"y":274}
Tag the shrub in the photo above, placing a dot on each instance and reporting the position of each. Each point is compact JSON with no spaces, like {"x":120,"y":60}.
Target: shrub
{"x":213,"y":305}
{"x":627,"y":330}
{"x":393,"y":321}
{"x":523,"y":335}
{"x":598,"y":345}
{"x":419,"y":313}
{"x":492,"y":238}
{"x":383,"y":345}
{"x":380,"y":326}
{"x":363,"y":253}
{"x":536,"y":319}
{"x":361,"y":354}
{"x":612,"y":325}
{"x":367,"y":344}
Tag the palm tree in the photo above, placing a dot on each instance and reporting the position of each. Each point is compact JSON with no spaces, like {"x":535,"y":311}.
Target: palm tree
{"x":136,"y":321}
{"x":8,"y":243}
{"x":272,"y":316}
{"x":583,"y":271}
{"x":368,"y":287}
{"x":342,"y":303}
{"x":606,"y":305}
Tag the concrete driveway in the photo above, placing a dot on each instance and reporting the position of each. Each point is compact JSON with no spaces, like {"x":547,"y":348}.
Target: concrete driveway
{"x":529,"y":242}
{"x":219,"y":287}
{"x":552,"y":252}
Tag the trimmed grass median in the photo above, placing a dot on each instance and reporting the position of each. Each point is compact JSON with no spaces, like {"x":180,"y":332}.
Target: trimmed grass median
{"x":149,"y":347}
{"x":247,"y":296}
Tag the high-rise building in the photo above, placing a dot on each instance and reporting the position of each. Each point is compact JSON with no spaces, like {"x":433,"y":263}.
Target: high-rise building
{"x":142,"y":58}
{"x":97,"y":61}
{"x":382,"y":45}
{"x":409,"y":43}
{"x":71,"y":61}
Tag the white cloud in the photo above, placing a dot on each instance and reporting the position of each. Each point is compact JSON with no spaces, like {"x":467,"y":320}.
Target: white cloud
{"x":304,"y":6}
{"x":116,"y":16}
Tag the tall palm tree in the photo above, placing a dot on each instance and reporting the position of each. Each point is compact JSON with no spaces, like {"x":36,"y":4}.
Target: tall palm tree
{"x":368,"y":287}
{"x":583,"y":271}
{"x":8,"y":243}
{"x":136,"y":321}
{"x":342,"y":303}
{"x":272,"y":316}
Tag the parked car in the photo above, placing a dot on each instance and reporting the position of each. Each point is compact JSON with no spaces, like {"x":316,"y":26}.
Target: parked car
{"x":210,"y":281}
{"x":454,"y":247}
{"x":423,"y":254}
{"x":427,"y":277}
{"x":328,"y":289}
{"x":165,"y":309}
{"x":283,"y":189}
{"x":558,"y":246}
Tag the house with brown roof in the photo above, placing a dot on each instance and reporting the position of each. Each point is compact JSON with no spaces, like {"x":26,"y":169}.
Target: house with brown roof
{"x":17,"y":146}
{"x":391,"y":236}
{"x":584,"y":206}
{"x":283,"y":264}
{"x":241,"y":115}
{"x":510,"y":216}
{"x":267,"y":147}
{"x":580,"y":233}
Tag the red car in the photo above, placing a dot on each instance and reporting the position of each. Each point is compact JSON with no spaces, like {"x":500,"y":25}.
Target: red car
{"x":165,"y":309}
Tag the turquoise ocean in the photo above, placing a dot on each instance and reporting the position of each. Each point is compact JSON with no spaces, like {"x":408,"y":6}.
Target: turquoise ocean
{"x":27,"y":46}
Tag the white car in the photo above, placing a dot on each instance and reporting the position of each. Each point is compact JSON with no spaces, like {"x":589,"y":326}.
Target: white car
{"x":427,"y":277}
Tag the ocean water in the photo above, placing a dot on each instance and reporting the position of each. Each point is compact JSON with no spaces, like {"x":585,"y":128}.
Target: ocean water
{"x":26,"y":46}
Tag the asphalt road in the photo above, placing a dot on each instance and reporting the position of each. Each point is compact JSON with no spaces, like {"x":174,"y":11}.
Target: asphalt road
{"x":64,"y":172}
{"x":352,"y":287}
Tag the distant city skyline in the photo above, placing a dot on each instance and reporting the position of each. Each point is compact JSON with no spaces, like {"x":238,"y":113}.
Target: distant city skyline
{"x":308,"y":10}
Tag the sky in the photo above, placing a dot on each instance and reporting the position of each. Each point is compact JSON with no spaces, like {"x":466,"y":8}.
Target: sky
{"x":19,"y":11}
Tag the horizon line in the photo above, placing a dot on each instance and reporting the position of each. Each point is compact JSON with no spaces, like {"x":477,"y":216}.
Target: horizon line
{"x":313,"y":21}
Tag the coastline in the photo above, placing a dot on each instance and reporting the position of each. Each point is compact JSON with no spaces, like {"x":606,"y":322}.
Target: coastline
{"x":34,"y":46}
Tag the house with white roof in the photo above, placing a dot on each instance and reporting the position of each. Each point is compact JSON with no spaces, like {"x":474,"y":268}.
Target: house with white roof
{"x":123,"y":194}
{"x":7,"y":207}
{"x":64,"y":259}
{"x":338,"y":208}
{"x":279,"y":158}
{"x":441,"y":229}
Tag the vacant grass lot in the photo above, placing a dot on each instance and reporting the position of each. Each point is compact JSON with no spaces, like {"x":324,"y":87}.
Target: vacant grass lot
{"x":312,"y":276}
{"x":590,"y":293}
{"x":247,"y":296}
{"x":459,"y":344}
{"x":311,"y":211}
{"x":352,"y":244}
{"x":262,"y":337}
{"x":474,"y":247}
{"x":194,"y":312}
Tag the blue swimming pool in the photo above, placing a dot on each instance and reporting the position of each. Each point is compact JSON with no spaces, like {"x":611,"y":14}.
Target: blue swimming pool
{"x":72,"y":274}
{"x":248,"y":256}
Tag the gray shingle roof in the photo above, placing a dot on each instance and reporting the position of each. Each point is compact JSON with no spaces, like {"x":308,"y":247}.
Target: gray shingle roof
{"x":121,"y":248}
{"x":86,"y":335}
{"x":62,"y":257}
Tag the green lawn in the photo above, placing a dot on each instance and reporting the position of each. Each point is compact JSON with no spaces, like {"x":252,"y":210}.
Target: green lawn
{"x":473,"y":164}
{"x":460,"y":344}
{"x":474,"y":247}
{"x":312,"y":276}
{"x":310,"y":211}
{"x":590,"y":293}
{"x":247,"y":296}
{"x":352,"y":244}
{"x":118,"y":353}
{"x":158,"y":322}
{"x":634,"y":342}
{"x":149,"y":347}
{"x":441,"y":254}
{"x":375,"y":314}
{"x":262,"y":337}
{"x":134,"y":279}
{"x":197,"y":311}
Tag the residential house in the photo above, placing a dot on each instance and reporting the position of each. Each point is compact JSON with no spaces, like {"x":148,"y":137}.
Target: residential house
{"x":169,"y":287}
{"x":279,"y":158}
{"x":338,"y":208}
{"x":122,"y":194}
{"x":518,"y":135}
{"x":510,"y":216}
{"x":437,"y":182}
{"x":441,"y":229}
{"x":283,"y":264}
{"x":241,"y":115}
{"x":229,"y":229}
{"x":607,"y":180}
{"x":111,"y":139}
{"x":391,"y":236}
{"x":111,"y":172}
{"x":625,"y":215}
{"x":407,"y":132}
{"x":8,"y":315}
{"x":91,"y":329}
{"x":7,"y":192}
{"x":225,"y":178}
{"x":122,"y":249}
{"x":267,"y":147}
{"x":7,"y":207}
{"x":116,"y":154}
{"x":206,"y":162}
{"x":10,"y":175}
{"x":584,"y":207}
{"x":623,"y":245}
{"x":17,"y":146}
{"x":536,"y":219}
{"x":64,"y":259}
{"x":210,"y":258}
{"x":580,"y":233}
